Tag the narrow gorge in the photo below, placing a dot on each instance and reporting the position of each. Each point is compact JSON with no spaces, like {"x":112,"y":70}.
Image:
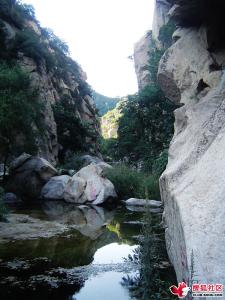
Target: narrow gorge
{"x":113,"y":197}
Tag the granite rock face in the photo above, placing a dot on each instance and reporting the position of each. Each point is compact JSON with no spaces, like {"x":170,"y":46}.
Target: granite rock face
{"x":162,"y":8}
{"x":141,"y":58}
{"x":54,"y":84}
{"x":193,"y":184}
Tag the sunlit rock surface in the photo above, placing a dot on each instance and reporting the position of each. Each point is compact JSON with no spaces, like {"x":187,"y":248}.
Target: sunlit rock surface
{"x":193,"y":185}
{"x":141,"y":58}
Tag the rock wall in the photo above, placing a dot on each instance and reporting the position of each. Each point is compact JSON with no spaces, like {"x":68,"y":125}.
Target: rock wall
{"x":193,"y":184}
{"x":160,"y":17}
{"x":53,"y":86}
{"x":141,"y":58}
{"x":143,"y":48}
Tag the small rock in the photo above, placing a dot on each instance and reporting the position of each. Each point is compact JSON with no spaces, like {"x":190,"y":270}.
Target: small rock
{"x":143,"y":202}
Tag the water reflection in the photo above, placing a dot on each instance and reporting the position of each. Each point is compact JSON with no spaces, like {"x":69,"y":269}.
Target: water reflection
{"x":98,"y":240}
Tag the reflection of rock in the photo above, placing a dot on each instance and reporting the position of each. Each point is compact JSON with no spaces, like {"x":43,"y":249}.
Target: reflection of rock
{"x":89,"y":221}
{"x":143,"y":209}
{"x":21,"y":227}
{"x":28,"y":174}
{"x":143,"y":202}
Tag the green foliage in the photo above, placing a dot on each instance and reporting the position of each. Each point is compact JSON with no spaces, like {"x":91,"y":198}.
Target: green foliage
{"x":146,"y":126}
{"x":160,"y":163}
{"x":153,"y":64}
{"x":130,"y":183}
{"x":20,"y":111}
{"x":16,"y":12}
{"x":3,"y":209}
{"x":72,"y":132}
{"x":165,"y":34}
{"x":73,"y":162}
{"x":110,"y":121}
{"x":28,"y":42}
{"x":55,"y":42}
{"x":152,"y":283}
{"x":104,"y":103}
{"x":109,"y":148}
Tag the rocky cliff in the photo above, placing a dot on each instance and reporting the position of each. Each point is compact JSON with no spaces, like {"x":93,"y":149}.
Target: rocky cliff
{"x":52,"y":72}
{"x":141,"y":57}
{"x":191,"y":73}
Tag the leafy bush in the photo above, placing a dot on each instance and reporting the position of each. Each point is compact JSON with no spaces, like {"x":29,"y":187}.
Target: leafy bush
{"x":3,"y":209}
{"x":73,"y":162}
{"x":160,"y":163}
{"x":20,"y":112}
{"x":146,"y":126}
{"x":152,"y":282}
{"x":130,"y":183}
{"x":72,"y":132}
{"x":28,"y":42}
{"x":165,"y":34}
{"x":16,"y":12}
{"x":109,"y":148}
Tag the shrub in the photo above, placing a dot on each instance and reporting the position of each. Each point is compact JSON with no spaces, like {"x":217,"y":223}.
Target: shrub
{"x":28,"y":42}
{"x":160,"y":163}
{"x":130,"y":183}
{"x":71,"y":131}
{"x":73,"y":161}
{"x":109,"y":148}
{"x":20,"y":112}
{"x":165,"y":34}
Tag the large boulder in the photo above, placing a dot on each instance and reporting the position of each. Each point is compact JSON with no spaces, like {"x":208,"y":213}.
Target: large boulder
{"x":193,"y":184}
{"x":74,"y":190}
{"x":98,"y":188}
{"x":28,"y":174}
{"x":55,"y":187}
{"x":87,"y":185}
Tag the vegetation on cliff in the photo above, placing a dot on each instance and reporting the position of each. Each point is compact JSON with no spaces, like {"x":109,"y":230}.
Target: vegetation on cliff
{"x":145,"y":126}
{"x":20,"y":112}
{"x":104,"y":103}
{"x":36,"y":73}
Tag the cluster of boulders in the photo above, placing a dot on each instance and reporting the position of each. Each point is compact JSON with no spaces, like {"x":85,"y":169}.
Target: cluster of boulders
{"x":32,"y":177}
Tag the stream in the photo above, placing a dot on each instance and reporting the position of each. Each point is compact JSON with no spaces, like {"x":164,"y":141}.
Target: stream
{"x":83,"y":260}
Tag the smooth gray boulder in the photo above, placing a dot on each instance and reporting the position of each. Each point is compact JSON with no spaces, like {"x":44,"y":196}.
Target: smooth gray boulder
{"x":55,"y":187}
{"x":28,"y":174}
{"x":74,"y":190}
{"x":98,"y":188}
{"x":143,"y":202}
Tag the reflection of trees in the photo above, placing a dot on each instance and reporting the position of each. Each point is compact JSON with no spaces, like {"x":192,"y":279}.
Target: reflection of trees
{"x":155,"y":276}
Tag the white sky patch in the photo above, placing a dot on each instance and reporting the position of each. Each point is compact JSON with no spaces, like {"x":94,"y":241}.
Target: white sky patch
{"x":101,"y":35}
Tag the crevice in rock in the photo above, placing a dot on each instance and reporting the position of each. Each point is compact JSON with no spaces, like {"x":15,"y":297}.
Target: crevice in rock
{"x":201,"y":86}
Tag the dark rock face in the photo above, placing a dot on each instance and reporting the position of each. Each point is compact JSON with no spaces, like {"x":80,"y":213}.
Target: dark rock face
{"x":195,"y":13}
{"x":28,"y":174}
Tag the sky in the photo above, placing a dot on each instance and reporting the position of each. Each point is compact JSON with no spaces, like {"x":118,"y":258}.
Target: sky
{"x":101,"y":35}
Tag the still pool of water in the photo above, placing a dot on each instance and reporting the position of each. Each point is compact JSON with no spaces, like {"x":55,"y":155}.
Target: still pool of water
{"x":85,"y":262}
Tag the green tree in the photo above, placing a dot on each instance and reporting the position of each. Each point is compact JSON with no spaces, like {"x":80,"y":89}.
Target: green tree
{"x":20,"y":112}
{"x":72,"y":132}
